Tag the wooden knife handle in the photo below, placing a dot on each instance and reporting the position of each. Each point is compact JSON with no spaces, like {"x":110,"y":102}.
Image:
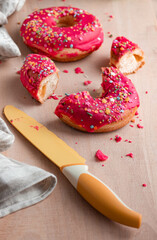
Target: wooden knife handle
{"x":100,"y":196}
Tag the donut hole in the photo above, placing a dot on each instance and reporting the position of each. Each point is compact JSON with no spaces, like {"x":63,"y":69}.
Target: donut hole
{"x":67,"y":21}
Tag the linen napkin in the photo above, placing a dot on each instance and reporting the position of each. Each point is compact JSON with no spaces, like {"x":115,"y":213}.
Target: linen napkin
{"x":21,"y":185}
{"x":8,"y":48}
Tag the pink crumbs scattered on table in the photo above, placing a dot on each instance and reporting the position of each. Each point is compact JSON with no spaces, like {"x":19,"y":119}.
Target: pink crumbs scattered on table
{"x":65,"y":71}
{"x":144,"y":185}
{"x":129,"y":155}
{"x":100,"y":156}
{"x":54,"y":97}
{"x":118,"y":138}
{"x":87,"y":82}
{"x":78,"y":70}
{"x":139,"y":126}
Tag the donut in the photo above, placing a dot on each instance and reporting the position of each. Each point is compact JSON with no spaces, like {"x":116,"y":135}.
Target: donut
{"x":39,"y":76}
{"x":126,"y":55}
{"x":64,"y":34}
{"x":114,"y":109}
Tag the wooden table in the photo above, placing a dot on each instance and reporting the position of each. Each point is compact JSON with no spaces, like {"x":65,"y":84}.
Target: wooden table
{"x":64,"y":214}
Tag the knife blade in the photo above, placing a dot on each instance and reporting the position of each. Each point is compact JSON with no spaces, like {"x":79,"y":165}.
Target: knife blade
{"x":72,"y":165}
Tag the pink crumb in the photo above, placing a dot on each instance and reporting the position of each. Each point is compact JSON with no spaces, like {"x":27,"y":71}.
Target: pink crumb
{"x":60,"y":95}
{"x":35,"y":127}
{"x":118,"y":138}
{"x":87,"y":82}
{"x":136,"y":113}
{"x":102,"y":165}
{"x":144,"y":185}
{"x":111,"y":138}
{"x":75,"y":142}
{"x":146,"y":92}
{"x":130,"y":141}
{"x":78,"y":70}
{"x":11,"y":121}
{"x":65,"y":71}
{"x":129,"y":155}
{"x":131,"y":125}
{"x":126,"y":140}
{"x":101,"y":156}
{"x":111,"y":16}
{"x":54,"y":97}
{"x":139,"y":126}
{"x":93,"y":90}
{"x":18,"y":72}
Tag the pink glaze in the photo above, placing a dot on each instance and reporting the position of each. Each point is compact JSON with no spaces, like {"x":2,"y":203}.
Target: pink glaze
{"x":101,"y":156}
{"x":78,"y":70}
{"x":121,"y":45}
{"x":34,"y":70}
{"x":92,"y":113}
{"x":39,"y":30}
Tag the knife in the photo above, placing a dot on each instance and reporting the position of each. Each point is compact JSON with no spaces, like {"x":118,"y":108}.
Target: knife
{"x":72,"y":165}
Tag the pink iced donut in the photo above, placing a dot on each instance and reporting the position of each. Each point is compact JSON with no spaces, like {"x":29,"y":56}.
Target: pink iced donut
{"x":113,"y":110}
{"x":39,"y":76}
{"x":126,"y":55}
{"x":62,"y":33}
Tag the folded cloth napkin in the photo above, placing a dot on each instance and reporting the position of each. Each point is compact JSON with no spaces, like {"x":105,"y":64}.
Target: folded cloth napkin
{"x":21,"y":185}
{"x":7,"y":46}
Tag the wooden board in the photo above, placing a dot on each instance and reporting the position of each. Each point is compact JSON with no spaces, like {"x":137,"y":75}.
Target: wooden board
{"x":64,"y":214}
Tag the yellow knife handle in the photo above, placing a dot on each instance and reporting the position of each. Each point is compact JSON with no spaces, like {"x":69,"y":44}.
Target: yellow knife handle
{"x":100,"y":196}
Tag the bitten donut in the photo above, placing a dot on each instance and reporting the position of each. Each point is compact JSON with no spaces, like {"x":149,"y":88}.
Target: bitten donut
{"x":62,"y":33}
{"x":126,"y":55}
{"x":39,"y":76}
{"x":113,"y":110}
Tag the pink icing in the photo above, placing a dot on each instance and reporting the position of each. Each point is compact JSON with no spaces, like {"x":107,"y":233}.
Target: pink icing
{"x":101,"y":156}
{"x":34,"y":69}
{"x":121,"y":45}
{"x":92,"y":113}
{"x":40,"y":30}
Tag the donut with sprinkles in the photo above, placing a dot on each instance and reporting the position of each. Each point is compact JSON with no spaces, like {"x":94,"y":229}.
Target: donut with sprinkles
{"x":126,"y":55}
{"x":113,"y":110}
{"x":62,"y":33}
{"x":39,"y":76}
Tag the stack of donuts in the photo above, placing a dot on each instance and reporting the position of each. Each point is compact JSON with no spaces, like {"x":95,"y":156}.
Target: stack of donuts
{"x":68,"y":34}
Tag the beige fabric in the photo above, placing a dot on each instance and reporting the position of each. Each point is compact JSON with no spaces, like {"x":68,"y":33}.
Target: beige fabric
{"x":8,"y":48}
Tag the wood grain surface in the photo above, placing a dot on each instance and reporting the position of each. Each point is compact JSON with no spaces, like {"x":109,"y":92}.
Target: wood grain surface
{"x":64,"y":214}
